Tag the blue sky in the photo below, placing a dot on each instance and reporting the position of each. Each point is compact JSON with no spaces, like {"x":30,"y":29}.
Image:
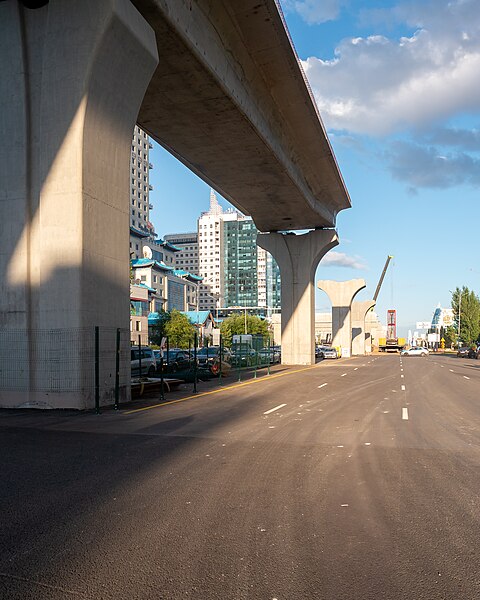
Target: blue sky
{"x":398,"y":88}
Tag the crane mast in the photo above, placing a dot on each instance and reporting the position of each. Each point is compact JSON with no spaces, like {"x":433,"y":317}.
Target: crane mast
{"x":382,"y":277}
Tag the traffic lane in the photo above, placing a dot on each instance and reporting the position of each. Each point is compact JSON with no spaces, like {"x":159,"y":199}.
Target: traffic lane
{"x":180,"y":461}
{"x":467,"y":368}
{"x":234,"y":414}
{"x":444,"y":405}
{"x":260,"y":519}
{"x":341,"y":411}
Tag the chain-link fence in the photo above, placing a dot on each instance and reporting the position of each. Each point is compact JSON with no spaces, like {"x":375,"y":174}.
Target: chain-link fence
{"x":92,"y":363}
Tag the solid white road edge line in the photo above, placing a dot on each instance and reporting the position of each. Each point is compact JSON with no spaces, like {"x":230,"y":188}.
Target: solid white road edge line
{"x":405,"y":414}
{"x":267,"y":412}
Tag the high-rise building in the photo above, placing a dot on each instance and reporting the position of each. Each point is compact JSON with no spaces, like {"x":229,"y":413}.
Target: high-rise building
{"x":187,"y":256}
{"x":235,"y":271}
{"x":210,"y":255}
{"x":272,"y":285}
{"x":240,"y":263}
{"x":140,"y":187}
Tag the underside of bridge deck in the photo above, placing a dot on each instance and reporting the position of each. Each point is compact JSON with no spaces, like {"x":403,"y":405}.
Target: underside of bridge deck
{"x":229,"y":99}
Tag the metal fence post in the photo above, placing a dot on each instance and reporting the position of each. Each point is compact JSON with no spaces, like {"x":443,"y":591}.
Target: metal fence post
{"x":221,"y":358}
{"x":139,"y":355}
{"x":195,"y":341}
{"x":117,"y":371}
{"x":97,"y":370}
{"x":239,"y":358}
{"x":162,"y":393}
{"x":270,"y":355}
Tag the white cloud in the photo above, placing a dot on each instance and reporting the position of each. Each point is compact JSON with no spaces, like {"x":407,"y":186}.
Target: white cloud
{"x":340,"y":259}
{"x":425,"y":167}
{"x":315,"y":11}
{"x":377,"y":85}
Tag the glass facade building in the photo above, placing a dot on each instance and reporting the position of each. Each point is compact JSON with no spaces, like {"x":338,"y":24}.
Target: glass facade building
{"x":240,"y":283}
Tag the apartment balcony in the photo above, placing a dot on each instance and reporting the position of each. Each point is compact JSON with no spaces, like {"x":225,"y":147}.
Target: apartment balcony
{"x":150,"y":187}
{"x":150,"y":165}
{"x":150,"y":206}
{"x":150,"y":145}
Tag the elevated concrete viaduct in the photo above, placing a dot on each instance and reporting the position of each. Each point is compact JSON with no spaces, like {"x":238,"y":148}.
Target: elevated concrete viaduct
{"x":359,"y":330}
{"x":216,"y":83}
{"x":341,"y":294}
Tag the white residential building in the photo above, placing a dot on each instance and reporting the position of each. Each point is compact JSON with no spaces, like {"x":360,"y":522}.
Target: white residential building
{"x":210,"y":252}
{"x":187,"y":256}
{"x":140,"y":187}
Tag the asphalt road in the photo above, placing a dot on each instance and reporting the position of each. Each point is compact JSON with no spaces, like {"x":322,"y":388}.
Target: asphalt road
{"x":355,"y":479}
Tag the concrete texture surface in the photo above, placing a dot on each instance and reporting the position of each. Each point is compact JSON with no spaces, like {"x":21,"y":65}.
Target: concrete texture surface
{"x":297,"y":257}
{"x":341,"y":294}
{"x":73,"y":78}
{"x":359,"y":333}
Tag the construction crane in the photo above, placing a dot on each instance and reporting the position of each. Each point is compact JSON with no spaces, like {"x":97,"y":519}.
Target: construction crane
{"x":382,"y":277}
{"x":391,"y":343}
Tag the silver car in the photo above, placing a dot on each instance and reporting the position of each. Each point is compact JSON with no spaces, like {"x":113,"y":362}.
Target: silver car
{"x":327,"y":352}
{"x":415,"y":351}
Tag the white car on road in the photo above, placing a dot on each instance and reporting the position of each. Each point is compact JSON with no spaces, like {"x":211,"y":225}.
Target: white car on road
{"x":415,"y":351}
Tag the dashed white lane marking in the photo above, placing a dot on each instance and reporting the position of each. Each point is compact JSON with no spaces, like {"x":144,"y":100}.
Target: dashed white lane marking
{"x":451,"y":370}
{"x":403,"y":388}
{"x":355,"y":369}
{"x":401,"y":370}
{"x":465,"y":377}
{"x":267,"y":412}
{"x":343,"y":375}
{"x":405,"y":414}
{"x":402,"y":376}
{"x":323,"y":385}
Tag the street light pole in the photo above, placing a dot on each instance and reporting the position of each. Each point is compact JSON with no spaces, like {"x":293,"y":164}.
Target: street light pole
{"x":459,"y":313}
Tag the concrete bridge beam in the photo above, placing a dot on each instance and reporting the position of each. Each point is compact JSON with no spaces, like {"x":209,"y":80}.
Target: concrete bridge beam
{"x":297,"y":257}
{"x":341,"y":294}
{"x":74,"y":75}
{"x":359,"y":313}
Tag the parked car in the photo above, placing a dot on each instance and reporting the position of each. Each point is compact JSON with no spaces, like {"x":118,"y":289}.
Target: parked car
{"x":327,"y":352}
{"x":415,"y":351}
{"x":209,"y":358}
{"x":245,"y":357}
{"x":149,"y":363}
{"x":473,"y":352}
{"x":174,"y":360}
{"x":463,"y":352}
{"x":269,"y":355}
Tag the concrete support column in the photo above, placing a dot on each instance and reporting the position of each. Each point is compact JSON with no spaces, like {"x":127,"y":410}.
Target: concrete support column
{"x":341,"y":294}
{"x":297,"y":257}
{"x":359,"y":313}
{"x":73,"y":77}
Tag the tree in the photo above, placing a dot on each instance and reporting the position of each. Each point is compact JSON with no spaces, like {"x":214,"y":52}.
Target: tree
{"x":179,"y":330}
{"x":466,"y":308}
{"x":157,"y":329}
{"x":450,"y":335}
{"x":235,"y":325}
